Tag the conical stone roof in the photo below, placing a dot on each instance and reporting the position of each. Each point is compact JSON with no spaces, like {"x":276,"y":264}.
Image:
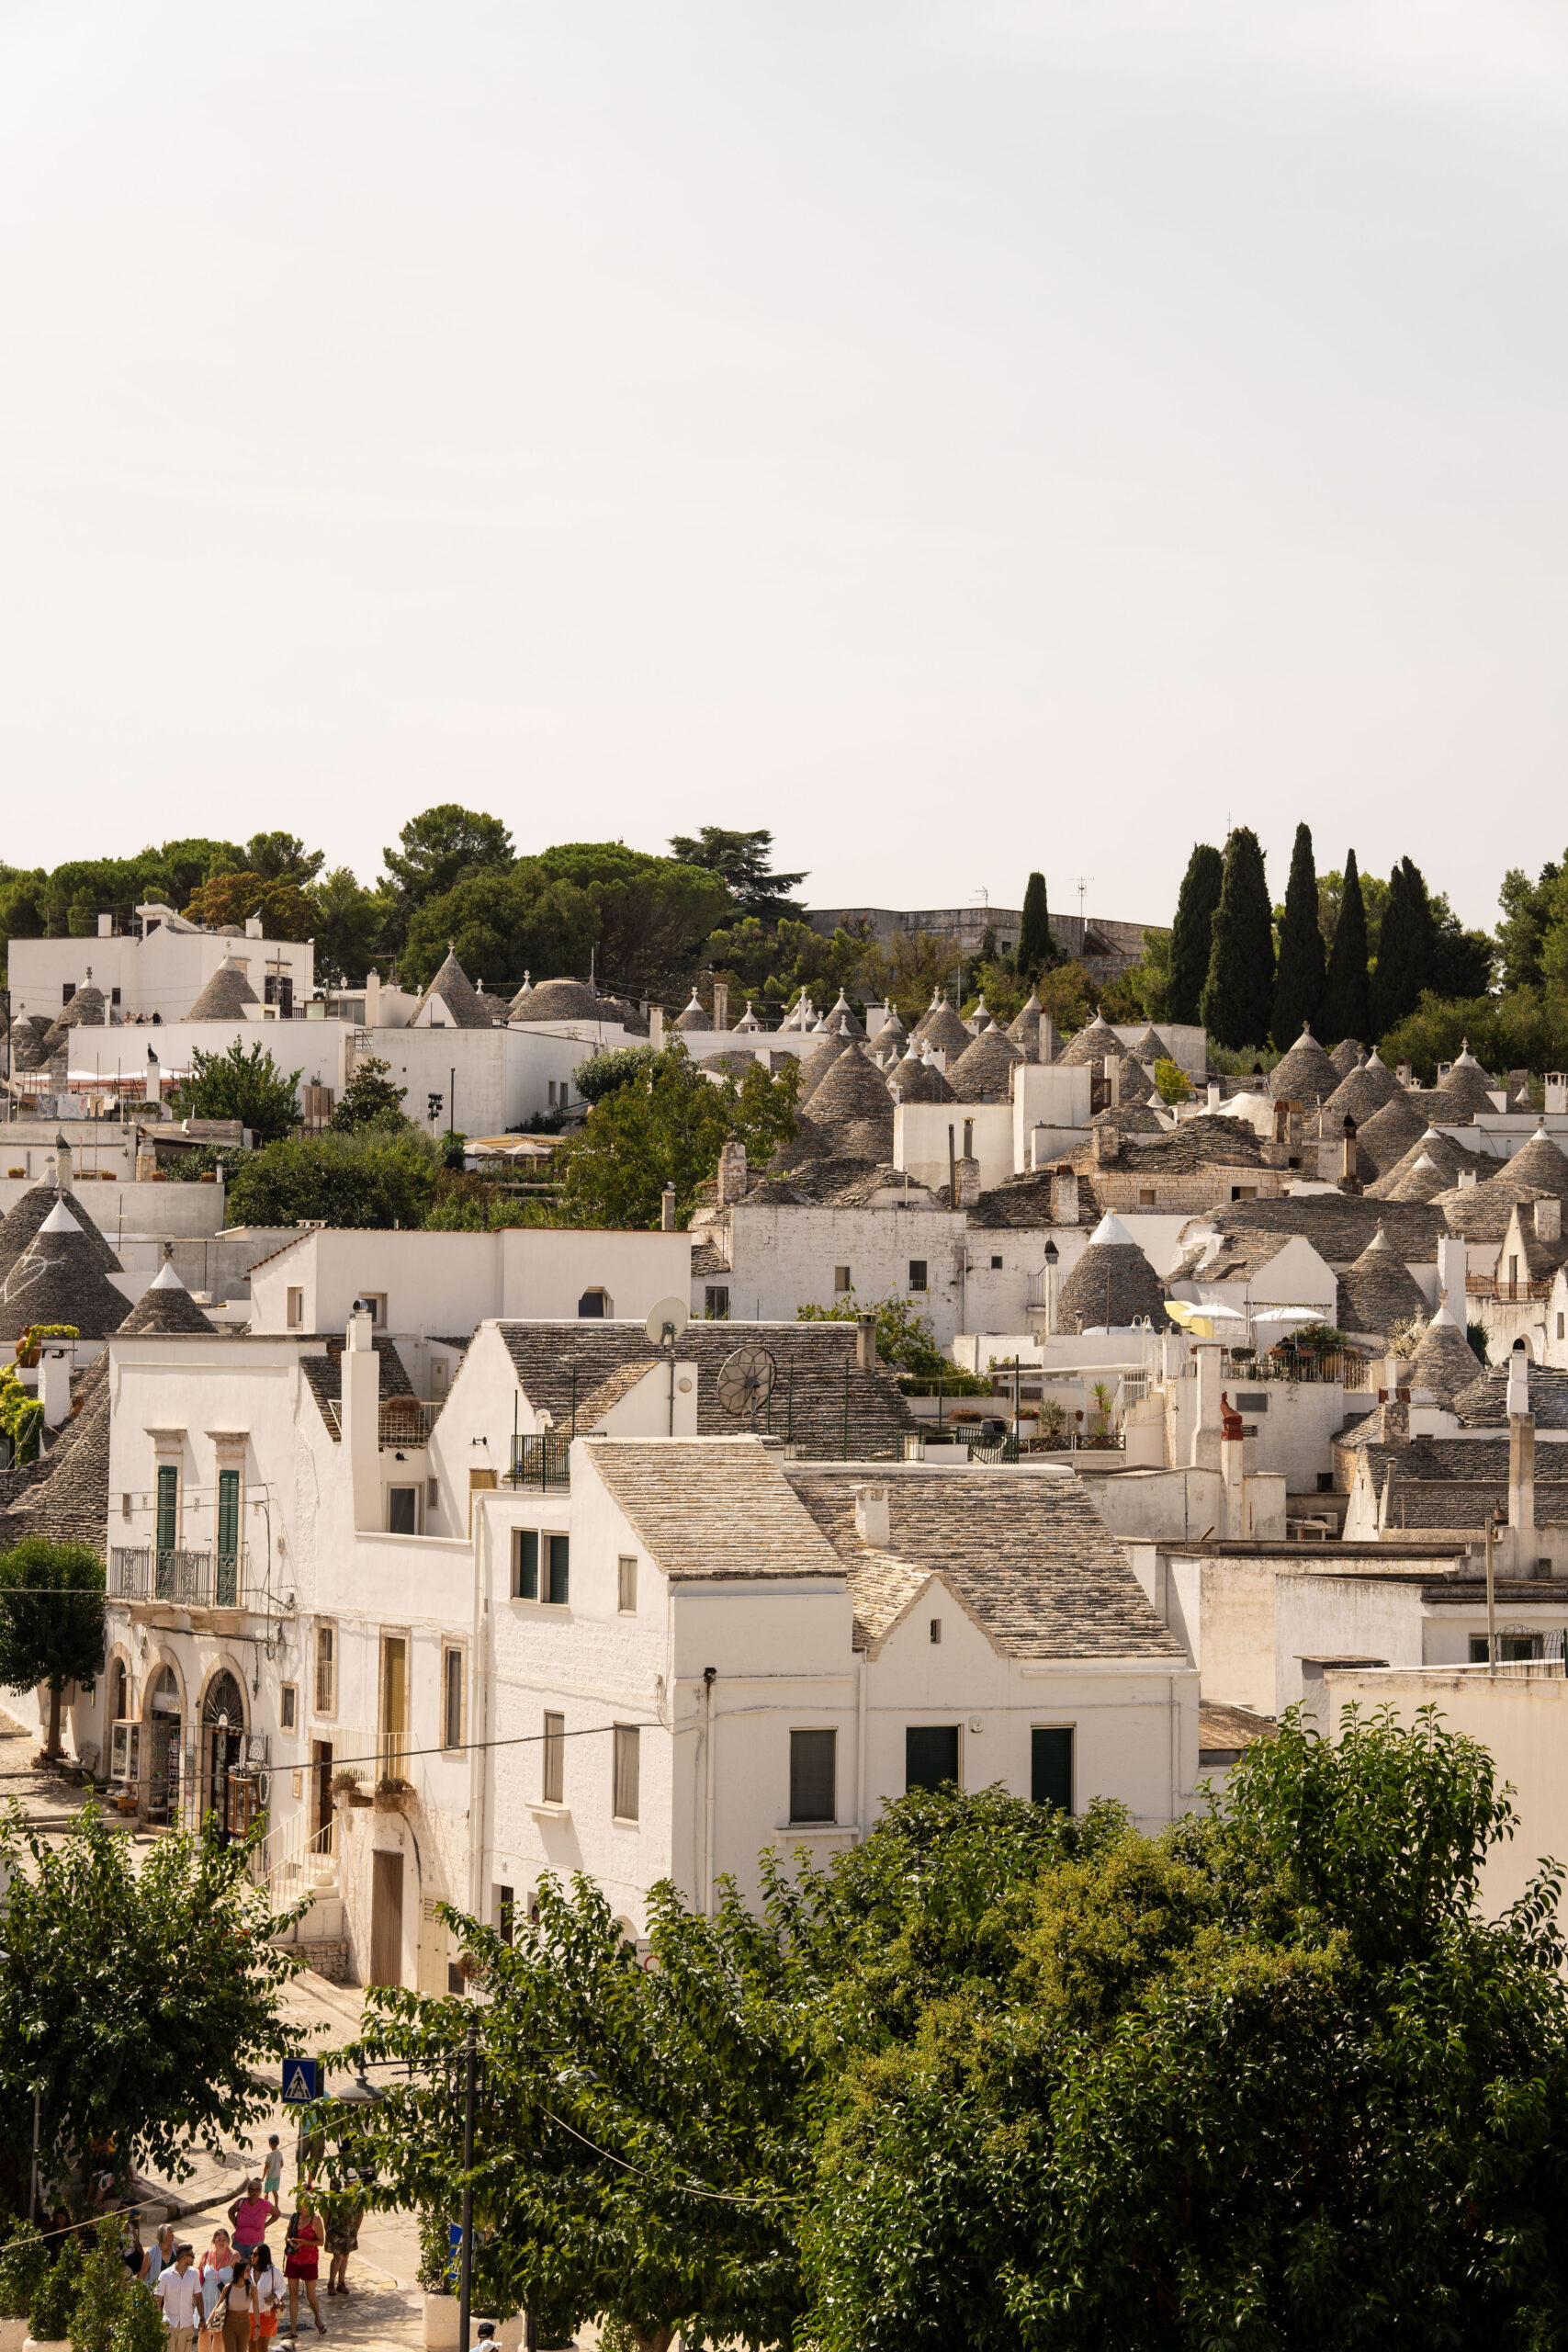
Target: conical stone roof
{"x":891,"y":1038}
{"x":560,"y":1000}
{"x":814,"y":1065}
{"x":1094,"y":1040}
{"x":1346,"y":1055}
{"x":854,"y":1089}
{"x":918,"y":1082}
{"x":1113,"y":1284}
{"x":1378,"y":1291}
{"x":692,"y":1016}
{"x":1439,"y":1150}
{"x":944,"y":1032}
{"x":1025,"y":1026}
{"x":1305,"y":1074}
{"x":1422,"y":1180}
{"x":1135,"y":1083}
{"x":1539,"y":1164}
{"x":983,"y":1073}
{"x":1444,"y":1362}
{"x":457,"y":993}
{"x":1362,"y":1094}
{"x":87,"y":1010}
{"x":1151,"y":1047}
{"x":1466,"y":1092}
{"x":843,"y":1010}
{"x":165,"y":1308}
{"x":21,"y":1227}
{"x":1388,"y":1134}
{"x":226,"y":995}
{"x":58,"y":1279}
{"x":515,"y":1010}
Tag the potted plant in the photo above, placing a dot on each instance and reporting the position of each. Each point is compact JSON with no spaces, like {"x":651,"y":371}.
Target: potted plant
{"x":436,"y":2269}
{"x":349,"y":1790}
{"x":391,"y":1793}
{"x":24,"y":2259}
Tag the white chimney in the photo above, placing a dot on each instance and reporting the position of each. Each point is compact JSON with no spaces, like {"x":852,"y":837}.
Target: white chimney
{"x":359,"y":1413}
{"x":656,"y":1028}
{"x":372,"y":1000}
{"x":1549,"y":1220}
{"x":106,"y":926}
{"x":254,"y":929}
{"x":54,"y":1386}
{"x":1518,"y":1380}
{"x":872,"y":1516}
{"x":1215,"y":1092}
{"x":1451,"y":1267}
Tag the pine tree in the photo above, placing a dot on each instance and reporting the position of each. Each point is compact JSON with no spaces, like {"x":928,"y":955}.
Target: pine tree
{"x":1238,"y":995}
{"x":1406,"y":949}
{"x":1347,"y":1009}
{"x":1298,"y":984}
{"x":1191,"y":934}
{"x":1037,"y":951}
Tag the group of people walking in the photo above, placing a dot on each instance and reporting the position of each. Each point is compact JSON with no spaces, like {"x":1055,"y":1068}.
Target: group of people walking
{"x":233,"y":2298}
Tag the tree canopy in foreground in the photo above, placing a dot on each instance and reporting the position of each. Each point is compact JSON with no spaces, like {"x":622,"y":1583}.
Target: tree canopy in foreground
{"x":1001,"y":2077}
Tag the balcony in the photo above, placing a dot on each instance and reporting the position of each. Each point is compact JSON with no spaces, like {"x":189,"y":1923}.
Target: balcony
{"x":542,"y":1461}
{"x":184,"y":1579}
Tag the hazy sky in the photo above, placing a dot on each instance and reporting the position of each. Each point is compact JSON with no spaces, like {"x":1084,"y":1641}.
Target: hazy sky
{"x":962,"y":435}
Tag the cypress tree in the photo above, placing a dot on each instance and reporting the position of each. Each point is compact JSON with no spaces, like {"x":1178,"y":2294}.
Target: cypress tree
{"x":1406,"y":949}
{"x":1191,"y":934}
{"x":1238,"y":995}
{"x":1037,"y":951}
{"x":1298,"y":984}
{"x":1347,"y":1009}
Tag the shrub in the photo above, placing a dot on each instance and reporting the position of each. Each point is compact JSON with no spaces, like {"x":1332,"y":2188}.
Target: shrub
{"x":1172,"y":1082}
{"x":140,"y":2326}
{"x":53,"y":2306}
{"x":24,"y":2259}
{"x":102,"y":2291}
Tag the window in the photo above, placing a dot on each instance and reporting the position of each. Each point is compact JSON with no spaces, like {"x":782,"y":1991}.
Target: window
{"x":288,"y":1707}
{"x":227,"y":1516}
{"x":541,"y":1567}
{"x":1512,"y":1648}
{"x":1051,"y":1766}
{"x":936,"y":1629}
{"x":813,"y":1775}
{"x":402,"y":1510}
{"x":378,"y":1302}
{"x":114,"y":996}
{"x":918,"y":1275}
{"x":931,"y":1755}
{"x":296,"y":1309}
{"x":592,"y":1306}
{"x":1146,"y":1197}
{"x":1248,"y":1401}
{"x":524,"y":1563}
{"x":996,"y":1265}
{"x":625,"y":1796}
{"x":1560,"y":1330}
{"x":842,"y":1279}
{"x":394,"y":1724}
{"x":168,"y":1507}
{"x":505,"y":1912}
{"x":551,"y":1084}
{"x":716,"y":1302}
{"x":552,"y":1786}
{"x":68,"y":991}
{"x":451,"y":1698}
{"x":626,"y":1584}
{"x":1244,"y":1191}
{"x":326,"y":1670}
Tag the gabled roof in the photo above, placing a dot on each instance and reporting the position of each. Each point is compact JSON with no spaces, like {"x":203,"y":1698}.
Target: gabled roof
{"x":1028,"y":1559}
{"x":713,"y":1510}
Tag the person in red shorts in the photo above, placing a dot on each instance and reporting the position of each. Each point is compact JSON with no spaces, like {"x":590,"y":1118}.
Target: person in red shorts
{"x":301,"y":2260}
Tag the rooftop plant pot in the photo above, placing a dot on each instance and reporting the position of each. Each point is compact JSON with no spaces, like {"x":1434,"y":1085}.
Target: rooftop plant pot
{"x":391,"y":1795}
{"x":354,"y":1798}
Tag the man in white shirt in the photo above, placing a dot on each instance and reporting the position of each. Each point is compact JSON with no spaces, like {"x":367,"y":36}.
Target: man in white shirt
{"x":178,"y":2288}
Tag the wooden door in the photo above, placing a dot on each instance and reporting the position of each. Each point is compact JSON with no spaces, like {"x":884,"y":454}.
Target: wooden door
{"x":387,"y":1919}
{"x":323,"y":1817}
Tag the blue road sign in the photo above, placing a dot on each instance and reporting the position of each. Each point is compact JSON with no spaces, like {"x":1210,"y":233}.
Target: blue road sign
{"x":299,"y":2078}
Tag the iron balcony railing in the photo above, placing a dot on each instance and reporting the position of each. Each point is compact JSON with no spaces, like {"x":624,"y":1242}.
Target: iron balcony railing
{"x":184,"y":1578}
{"x":1342,"y":1365}
{"x":541,"y":1461}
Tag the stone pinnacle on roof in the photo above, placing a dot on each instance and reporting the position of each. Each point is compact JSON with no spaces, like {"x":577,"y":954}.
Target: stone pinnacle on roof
{"x":1466,"y":1093}
{"x":844,"y":1013}
{"x":748,"y":1021}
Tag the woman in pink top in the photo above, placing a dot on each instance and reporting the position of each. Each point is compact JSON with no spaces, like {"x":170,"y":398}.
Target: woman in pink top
{"x":250,"y":2213}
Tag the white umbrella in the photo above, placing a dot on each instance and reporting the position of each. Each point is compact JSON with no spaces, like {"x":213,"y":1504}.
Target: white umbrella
{"x":1288,"y":1315}
{"x":1218,"y":1314}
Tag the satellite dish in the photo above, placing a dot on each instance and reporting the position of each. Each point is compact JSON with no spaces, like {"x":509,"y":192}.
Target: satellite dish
{"x":745,"y":1381}
{"x":667,"y":1321}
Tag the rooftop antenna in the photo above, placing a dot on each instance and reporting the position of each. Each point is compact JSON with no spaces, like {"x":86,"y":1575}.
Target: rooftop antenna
{"x":664,"y":1326}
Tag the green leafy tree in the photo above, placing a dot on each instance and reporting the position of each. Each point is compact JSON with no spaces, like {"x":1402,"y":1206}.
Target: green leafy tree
{"x":1519,"y":1029}
{"x":239,"y":1085}
{"x":668,"y":1126}
{"x":140,"y":1997}
{"x":1238,"y":1003}
{"x":1298,"y":982}
{"x":365,"y":1178}
{"x":283,"y":857}
{"x":286,"y":911}
{"x":601,"y":1074}
{"x":181,"y":867}
{"x":438,"y":849}
{"x":1528,"y":908}
{"x":1266,"y":2078}
{"x":1191,"y":934}
{"x":1143,"y":992}
{"x":24,"y":2259}
{"x":1462,"y":960}
{"x":654,"y":913}
{"x":370,"y":1100}
{"x":51,"y":1620}
{"x":1037,"y":949}
{"x":1172,"y":1082}
{"x":744,"y":863}
{"x":1346,"y":994}
{"x":139,"y":2327}
{"x":904,"y":1336}
{"x":612,"y":2093}
{"x":1331,"y":899}
{"x":500,"y":925}
{"x":1406,"y":949}
{"x":103,"y":2290}
{"x":350,"y":924}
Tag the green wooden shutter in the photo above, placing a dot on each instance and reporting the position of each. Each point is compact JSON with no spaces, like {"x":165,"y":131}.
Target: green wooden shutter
{"x":227,"y":1513}
{"x":1051,"y":1767}
{"x":560,"y":1569}
{"x":168,"y":1508}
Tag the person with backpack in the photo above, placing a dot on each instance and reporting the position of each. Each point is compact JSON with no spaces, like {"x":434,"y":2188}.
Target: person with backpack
{"x":233,"y":2314}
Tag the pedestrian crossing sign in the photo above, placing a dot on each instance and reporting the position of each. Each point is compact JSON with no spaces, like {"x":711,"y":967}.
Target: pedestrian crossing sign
{"x":300,"y":2081}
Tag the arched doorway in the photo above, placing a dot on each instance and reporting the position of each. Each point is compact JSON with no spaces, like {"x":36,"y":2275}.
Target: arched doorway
{"x":161,"y":1737}
{"x":222,"y":1745}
